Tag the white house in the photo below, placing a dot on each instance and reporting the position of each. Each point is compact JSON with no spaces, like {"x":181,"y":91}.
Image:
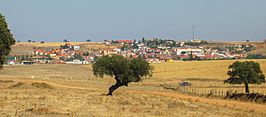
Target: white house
{"x":77,"y":62}
{"x":196,"y":51}
{"x":76,"y":47}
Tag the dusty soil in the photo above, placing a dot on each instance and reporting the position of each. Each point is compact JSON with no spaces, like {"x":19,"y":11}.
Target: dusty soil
{"x":72,"y":90}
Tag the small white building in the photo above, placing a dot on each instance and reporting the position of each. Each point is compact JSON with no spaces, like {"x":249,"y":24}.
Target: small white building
{"x":196,"y":40}
{"x":76,"y":47}
{"x":196,"y":51}
{"x":11,"y":62}
{"x":77,"y":62}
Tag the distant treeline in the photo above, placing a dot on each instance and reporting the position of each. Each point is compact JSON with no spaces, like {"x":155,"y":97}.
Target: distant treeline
{"x":255,"y":56}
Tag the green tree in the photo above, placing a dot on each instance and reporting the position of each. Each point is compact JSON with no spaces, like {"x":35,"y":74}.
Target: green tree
{"x":125,"y":47}
{"x":86,"y":54}
{"x":79,"y":57}
{"x":135,"y":46}
{"x":143,"y":40}
{"x":247,"y":72}
{"x":124,"y":70}
{"x":255,"y":56}
{"x":65,"y":40}
{"x":6,"y":40}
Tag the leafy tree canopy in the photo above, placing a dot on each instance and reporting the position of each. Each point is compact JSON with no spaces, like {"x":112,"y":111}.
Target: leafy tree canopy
{"x":125,"y":70}
{"x":247,"y":72}
{"x":6,"y":40}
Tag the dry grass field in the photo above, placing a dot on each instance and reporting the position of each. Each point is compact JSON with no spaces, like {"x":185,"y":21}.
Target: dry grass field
{"x":52,"y":44}
{"x":72,"y":90}
{"x":26,"y":48}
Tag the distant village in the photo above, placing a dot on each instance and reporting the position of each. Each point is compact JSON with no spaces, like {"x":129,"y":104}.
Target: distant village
{"x":152,"y":50}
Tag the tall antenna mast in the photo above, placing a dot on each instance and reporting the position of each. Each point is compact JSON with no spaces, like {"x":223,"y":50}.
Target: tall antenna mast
{"x":193,"y":32}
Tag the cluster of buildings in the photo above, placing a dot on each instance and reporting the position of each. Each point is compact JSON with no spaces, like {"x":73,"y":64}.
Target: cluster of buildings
{"x":162,"y":51}
{"x":65,"y":54}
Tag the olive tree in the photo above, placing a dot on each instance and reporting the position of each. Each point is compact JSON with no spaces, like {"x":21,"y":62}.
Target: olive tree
{"x":247,"y":72}
{"x":6,"y":40}
{"x":124,"y":70}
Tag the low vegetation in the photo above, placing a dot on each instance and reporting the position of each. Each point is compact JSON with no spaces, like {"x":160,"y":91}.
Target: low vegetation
{"x":255,"y":56}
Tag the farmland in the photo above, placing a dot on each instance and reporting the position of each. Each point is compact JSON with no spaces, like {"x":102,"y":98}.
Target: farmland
{"x":26,"y":48}
{"x":73,"y":90}
{"x":132,"y":58}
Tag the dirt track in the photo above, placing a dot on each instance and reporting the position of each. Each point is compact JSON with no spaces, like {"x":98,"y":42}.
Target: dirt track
{"x":223,"y":103}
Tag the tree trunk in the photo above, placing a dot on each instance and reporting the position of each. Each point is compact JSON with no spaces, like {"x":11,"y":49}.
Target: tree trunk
{"x":115,"y":86}
{"x":246,"y":88}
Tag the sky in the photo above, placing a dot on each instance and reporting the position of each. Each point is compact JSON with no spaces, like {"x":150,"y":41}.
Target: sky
{"x":98,"y":20}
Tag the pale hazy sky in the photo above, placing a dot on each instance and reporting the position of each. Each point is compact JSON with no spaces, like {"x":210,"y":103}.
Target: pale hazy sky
{"x":79,"y":20}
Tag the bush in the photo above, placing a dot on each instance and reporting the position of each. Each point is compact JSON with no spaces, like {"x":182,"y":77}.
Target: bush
{"x":255,"y":56}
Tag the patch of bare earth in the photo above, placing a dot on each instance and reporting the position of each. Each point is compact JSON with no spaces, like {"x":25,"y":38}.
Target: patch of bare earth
{"x":72,"y":90}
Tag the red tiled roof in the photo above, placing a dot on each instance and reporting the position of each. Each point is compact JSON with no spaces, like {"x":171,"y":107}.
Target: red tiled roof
{"x":48,"y":52}
{"x":38,"y":50}
{"x":183,"y":56}
{"x":208,"y":56}
{"x":125,"y":41}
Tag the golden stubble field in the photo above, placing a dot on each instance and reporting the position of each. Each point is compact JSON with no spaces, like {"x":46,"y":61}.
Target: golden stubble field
{"x":26,"y":48}
{"x":72,"y":90}
{"x":53,"y":44}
